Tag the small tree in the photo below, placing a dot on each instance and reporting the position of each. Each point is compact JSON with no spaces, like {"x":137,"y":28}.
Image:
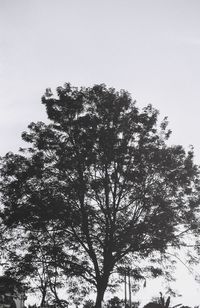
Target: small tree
{"x":161,"y":303}
{"x":100,"y":176}
{"x":30,"y":259}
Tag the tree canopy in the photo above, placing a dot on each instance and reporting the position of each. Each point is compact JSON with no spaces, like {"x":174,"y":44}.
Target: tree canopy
{"x":99,"y":182}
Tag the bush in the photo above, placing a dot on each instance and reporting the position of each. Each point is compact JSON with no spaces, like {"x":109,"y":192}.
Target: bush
{"x":153,"y":305}
{"x":88,"y":304}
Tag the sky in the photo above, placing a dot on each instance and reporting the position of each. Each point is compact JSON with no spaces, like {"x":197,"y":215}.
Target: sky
{"x":150,"y":48}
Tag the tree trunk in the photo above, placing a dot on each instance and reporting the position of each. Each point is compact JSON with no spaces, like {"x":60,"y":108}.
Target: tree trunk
{"x":101,"y":288}
{"x":125,"y":290}
{"x":99,"y":298}
{"x":129,"y":285}
{"x":43,"y":300}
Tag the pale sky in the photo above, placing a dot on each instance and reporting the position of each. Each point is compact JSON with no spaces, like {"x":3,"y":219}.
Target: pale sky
{"x":149,"y":47}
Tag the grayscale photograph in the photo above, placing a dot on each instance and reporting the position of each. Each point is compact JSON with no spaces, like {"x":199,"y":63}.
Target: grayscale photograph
{"x":99,"y":153}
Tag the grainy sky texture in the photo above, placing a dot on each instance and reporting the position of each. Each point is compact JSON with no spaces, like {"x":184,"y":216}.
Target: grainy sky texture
{"x":149,"y":47}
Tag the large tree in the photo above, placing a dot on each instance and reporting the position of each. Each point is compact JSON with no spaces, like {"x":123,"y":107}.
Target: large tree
{"x":102,"y":177}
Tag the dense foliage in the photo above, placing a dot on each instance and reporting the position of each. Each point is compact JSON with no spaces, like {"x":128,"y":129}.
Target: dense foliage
{"x":97,"y":183}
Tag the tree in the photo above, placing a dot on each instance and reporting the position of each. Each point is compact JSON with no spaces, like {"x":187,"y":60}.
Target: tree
{"x":101,"y":176}
{"x":30,"y":260}
{"x":162,"y":303}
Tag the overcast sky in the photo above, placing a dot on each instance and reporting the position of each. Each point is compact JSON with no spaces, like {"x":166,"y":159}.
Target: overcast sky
{"x":150,"y":48}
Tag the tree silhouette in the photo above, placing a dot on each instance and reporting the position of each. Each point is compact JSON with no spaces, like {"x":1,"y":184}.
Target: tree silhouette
{"x":31,"y":260}
{"x":101,"y":176}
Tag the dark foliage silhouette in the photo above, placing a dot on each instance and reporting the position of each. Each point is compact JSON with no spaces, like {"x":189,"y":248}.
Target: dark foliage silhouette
{"x":97,"y":183}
